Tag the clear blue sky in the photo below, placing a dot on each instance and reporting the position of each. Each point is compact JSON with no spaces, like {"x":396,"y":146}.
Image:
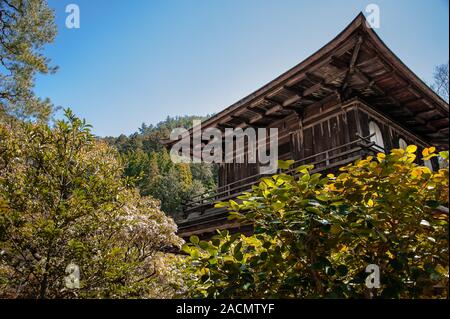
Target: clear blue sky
{"x":142,"y":60}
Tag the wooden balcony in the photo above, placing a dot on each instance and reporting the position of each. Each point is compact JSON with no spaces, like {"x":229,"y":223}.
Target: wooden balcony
{"x":200,"y":217}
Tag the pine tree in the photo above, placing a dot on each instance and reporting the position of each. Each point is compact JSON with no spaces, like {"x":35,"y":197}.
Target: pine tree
{"x":26,"y":26}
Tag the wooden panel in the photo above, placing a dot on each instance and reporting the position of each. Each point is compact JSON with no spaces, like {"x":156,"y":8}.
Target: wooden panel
{"x":364,"y":123}
{"x":308,"y":142}
{"x":352,"y":125}
{"x":336,"y":136}
{"x":296,"y":145}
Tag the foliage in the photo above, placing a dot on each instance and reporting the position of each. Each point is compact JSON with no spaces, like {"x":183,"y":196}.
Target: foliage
{"x":314,"y":235}
{"x":150,"y":138}
{"x":63,"y":200}
{"x":169,"y":182}
{"x":25,"y":27}
{"x":148,"y":161}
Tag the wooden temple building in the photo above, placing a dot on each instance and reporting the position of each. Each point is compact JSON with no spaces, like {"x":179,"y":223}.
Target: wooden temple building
{"x":352,"y":97}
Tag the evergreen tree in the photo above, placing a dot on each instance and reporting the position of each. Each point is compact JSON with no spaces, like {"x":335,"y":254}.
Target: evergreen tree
{"x":26,"y":26}
{"x":148,"y":161}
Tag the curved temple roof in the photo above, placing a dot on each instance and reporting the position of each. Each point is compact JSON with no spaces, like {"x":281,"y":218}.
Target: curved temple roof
{"x":356,"y":63}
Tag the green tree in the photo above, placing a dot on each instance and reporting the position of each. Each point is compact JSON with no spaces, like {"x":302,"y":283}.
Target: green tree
{"x":169,"y":182}
{"x":315,"y":235}
{"x":148,"y":161}
{"x":26,"y":26}
{"x":205,"y":173}
{"x":63,"y":199}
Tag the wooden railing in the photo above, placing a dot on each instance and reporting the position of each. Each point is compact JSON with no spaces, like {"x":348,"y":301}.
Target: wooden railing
{"x":326,"y":160}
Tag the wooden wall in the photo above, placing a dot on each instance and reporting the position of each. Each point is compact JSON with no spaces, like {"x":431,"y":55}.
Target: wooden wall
{"x":322,"y":127}
{"x":233,"y":172}
{"x":391,"y":131}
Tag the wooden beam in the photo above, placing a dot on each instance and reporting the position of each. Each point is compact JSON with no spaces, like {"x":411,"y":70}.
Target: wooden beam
{"x":351,"y":67}
{"x":403,"y":107}
{"x":427,"y":113}
{"x":223,"y":126}
{"x":444,"y":130}
{"x":439,"y":123}
{"x":320,"y":102}
{"x":363,"y":77}
{"x":427,"y":102}
{"x":316,"y":87}
{"x":387,"y":75}
{"x":260,"y":113}
{"x":239,"y":118}
{"x":314,"y":78}
{"x":287,"y":103}
{"x":241,"y":125}
{"x":424,"y":129}
{"x":241,"y":110}
{"x":258,"y":110}
{"x":355,"y":53}
{"x":412,"y":101}
{"x":319,"y":84}
{"x":272,"y":100}
{"x":399,"y":111}
{"x":340,"y":51}
{"x":440,"y":134}
{"x":367,"y":62}
{"x":274,"y":109}
{"x":338,"y":62}
{"x":410,"y":121}
{"x":293,"y":90}
{"x":330,"y":87}
{"x":255,"y":118}
{"x":382,"y":94}
{"x":249,"y":121}
{"x":398,"y":90}
{"x":363,"y":86}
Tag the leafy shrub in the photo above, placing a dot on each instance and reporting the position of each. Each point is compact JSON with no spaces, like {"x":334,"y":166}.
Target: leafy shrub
{"x":63,"y":200}
{"x":315,"y":235}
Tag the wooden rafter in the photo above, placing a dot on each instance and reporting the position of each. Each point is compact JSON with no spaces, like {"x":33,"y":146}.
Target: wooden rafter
{"x":399,"y":89}
{"x":351,"y":67}
{"x":427,"y":113}
{"x":367,"y":62}
{"x":274,"y":109}
{"x":338,"y":62}
{"x":355,"y":53}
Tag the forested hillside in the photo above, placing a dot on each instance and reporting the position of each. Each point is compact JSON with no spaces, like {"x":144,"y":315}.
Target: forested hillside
{"x":148,"y":162}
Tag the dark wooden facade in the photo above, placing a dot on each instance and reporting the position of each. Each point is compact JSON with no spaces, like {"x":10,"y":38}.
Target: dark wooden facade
{"x":326,"y":109}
